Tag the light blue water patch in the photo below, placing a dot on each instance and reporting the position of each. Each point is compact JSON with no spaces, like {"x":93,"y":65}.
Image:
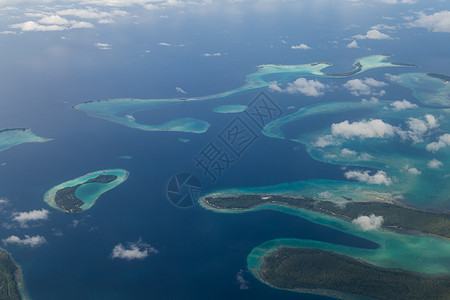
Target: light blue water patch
{"x":427,"y":89}
{"x":13,"y":137}
{"x":229,"y":109}
{"x":121,"y":111}
{"x":125,"y":157}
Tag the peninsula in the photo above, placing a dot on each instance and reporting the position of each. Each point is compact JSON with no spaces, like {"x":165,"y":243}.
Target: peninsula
{"x":327,"y":273}
{"x":396,"y":216}
{"x":11,"y":282}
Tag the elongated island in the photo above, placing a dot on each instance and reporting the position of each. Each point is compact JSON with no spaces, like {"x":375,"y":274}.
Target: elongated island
{"x":80,"y":194}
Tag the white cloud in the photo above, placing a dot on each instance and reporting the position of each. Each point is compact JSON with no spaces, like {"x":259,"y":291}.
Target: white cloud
{"x":31,"y":241}
{"x":347,"y":153}
{"x":374,"y":128}
{"x":380,"y":177}
{"x":212,"y":54}
{"x":304,"y":86}
{"x":444,"y":140}
{"x":51,"y":23}
{"x":3,"y":201}
{"x":383,"y":27}
{"x":434,"y":164}
{"x":365,"y":86}
{"x":398,"y":1}
{"x":35,"y":215}
{"x":324,"y":141}
{"x":413,"y":171}
{"x":401,"y":105}
{"x":180,"y":90}
{"x":437,"y":22}
{"x":418,"y":128}
{"x":301,"y":47}
{"x":137,"y":250}
{"x":393,"y":78}
{"x":53,"y":20}
{"x":103,"y":46}
{"x":372,"y":100}
{"x":82,"y":25}
{"x":91,"y":13}
{"x":371,"y":222}
{"x":352,"y":44}
{"x":170,"y":45}
{"x":243,"y":284}
{"x":33,"y":26}
{"x":373,"y":35}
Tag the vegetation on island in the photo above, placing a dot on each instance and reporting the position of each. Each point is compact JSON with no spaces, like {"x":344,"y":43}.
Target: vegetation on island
{"x":395,"y":216}
{"x":439,"y":76}
{"x":358,"y":68}
{"x":323,"y":272}
{"x":66,"y":199}
{"x":8,"y":273}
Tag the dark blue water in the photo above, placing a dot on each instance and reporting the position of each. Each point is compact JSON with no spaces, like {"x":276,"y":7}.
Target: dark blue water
{"x":200,"y":252}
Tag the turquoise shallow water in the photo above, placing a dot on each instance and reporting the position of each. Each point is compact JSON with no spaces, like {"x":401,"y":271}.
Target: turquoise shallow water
{"x":426,"y":89}
{"x":411,"y":177}
{"x":229,"y":109}
{"x":13,"y":137}
{"x":121,"y":111}
{"x":88,"y":193}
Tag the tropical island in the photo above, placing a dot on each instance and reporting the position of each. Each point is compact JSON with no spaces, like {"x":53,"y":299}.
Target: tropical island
{"x":11,"y":282}
{"x":80,"y":194}
{"x":395,"y":215}
{"x":327,"y":273}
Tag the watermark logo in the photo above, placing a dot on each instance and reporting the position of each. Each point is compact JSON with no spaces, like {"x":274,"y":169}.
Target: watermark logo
{"x":221,"y":153}
{"x":183,"y":190}
{"x":263,"y":110}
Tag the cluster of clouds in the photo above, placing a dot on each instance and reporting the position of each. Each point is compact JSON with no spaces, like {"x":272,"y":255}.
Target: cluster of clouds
{"x":35,"y":215}
{"x":87,"y":12}
{"x":367,"y":223}
{"x":347,"y":153}
{"x":133,"y":250}
{"x":367,"y":86}
{"x":31,"y":241}
{"x":243,"y":283}
{"x":308,"y":87}
{"x":416,"y":130}
{"x":374,"y":128}
{"x":443,"y":141}
{"x":437,"y":22}
{"x":379,"y":178}
{"x":67,"y":19}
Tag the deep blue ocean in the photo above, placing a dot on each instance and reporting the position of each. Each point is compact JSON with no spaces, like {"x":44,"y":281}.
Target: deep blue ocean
{"x":200,"y":252}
